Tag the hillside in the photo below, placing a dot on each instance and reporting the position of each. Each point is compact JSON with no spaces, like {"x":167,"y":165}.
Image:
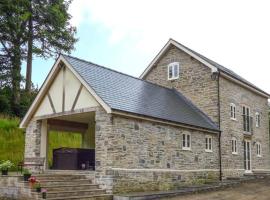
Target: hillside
{"x":12,"y":140}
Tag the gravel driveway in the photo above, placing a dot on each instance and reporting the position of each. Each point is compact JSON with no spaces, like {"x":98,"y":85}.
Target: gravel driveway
{"x":259,"y":190}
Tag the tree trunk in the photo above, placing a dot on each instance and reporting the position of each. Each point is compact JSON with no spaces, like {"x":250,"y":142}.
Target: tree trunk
{"x":28,"y":83}
{"x":16,"y":78}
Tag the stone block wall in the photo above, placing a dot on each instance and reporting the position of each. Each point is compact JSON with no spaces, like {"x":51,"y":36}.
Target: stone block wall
{"x":232,"y":93}
{"x":194,"y":80}
{"x":149,"y":156}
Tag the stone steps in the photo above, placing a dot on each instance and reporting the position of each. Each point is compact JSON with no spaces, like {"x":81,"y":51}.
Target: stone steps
{"x":72,"y":187}
{"x":74,"y":193}
{"x":67,"y":186}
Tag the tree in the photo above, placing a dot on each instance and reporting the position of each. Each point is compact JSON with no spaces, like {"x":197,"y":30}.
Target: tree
{"x":49,"y":31}
{"x":13,"y":20}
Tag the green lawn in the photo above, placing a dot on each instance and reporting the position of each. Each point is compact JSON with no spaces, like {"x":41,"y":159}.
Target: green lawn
{"x":12,"y":140}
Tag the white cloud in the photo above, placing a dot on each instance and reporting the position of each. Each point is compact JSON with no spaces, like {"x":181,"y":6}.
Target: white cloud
{"x":233,"y":33}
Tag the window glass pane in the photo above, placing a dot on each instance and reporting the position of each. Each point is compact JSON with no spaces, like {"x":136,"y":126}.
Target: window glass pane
{"x":210,"y":143}
{"x":188,"y":140}
{"x":234,"y":112}
{"x":235,"y":146}
{"x":170,"y":72}
{"x":206,"y":143}
{"x":184,"y":140}
{"x":175,"y":71}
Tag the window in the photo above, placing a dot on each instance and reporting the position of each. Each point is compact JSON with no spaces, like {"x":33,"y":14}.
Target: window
{"x":173,"y":71}
{"x":208,"y":144}
{"x":186,"y":141}
{"x":234,"y":145}
{"x":258,"y":149}
{"x":233,"y":111}
{"x":258,"y":119}
{"x":247,"y":119}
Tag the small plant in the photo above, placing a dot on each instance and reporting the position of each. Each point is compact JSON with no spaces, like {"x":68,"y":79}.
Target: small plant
{"x":44,"y":193}
{"x":26,"y":174}
{"x":32,"y":180}
{"x":5,"y":166}
{"x":37,"y":186}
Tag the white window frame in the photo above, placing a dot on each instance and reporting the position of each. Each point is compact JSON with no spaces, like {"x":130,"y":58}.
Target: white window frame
{"x":258,"y":149}
{"x":258,"y":119}
{"x":233,"y":111}
{"x":208,"y":143}
{"x":234,"y":145}
{"x":185,"y":144}
{"x":172,"y":66}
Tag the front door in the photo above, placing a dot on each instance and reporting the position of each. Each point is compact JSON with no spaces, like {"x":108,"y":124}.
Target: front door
{"x":247,"y":156}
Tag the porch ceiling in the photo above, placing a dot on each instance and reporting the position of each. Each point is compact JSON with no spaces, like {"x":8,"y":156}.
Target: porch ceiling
{"x":81,"y":117}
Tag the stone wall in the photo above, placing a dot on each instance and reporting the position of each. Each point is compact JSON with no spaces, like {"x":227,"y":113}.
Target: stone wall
{"x":194,"y":80}
{"x":233,"y":93}
{"x":149,"y":156}
{"x":11,"y":187}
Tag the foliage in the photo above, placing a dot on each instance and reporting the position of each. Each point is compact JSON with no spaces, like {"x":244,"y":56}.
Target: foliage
{"x":12,"y":141}
{"x":37,"y":184}
{"x":5,"y":165}
{"x":26,"y":171}
{"x":25,"y":101}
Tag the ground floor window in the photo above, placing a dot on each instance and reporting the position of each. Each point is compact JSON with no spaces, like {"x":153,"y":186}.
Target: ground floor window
{"x":208,"y":143}
{"x":234,"y":145}
{"x":258,"y":149}
{"x":186,"y":141}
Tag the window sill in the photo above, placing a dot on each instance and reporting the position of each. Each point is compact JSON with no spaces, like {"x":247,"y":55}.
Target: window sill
{"x":233,"y":119}
{"x":208,"y":151}
{"x":171,"y":79}
{"x":234,"y":153}
{"x":186,"y":148}
{"x":259,"y":156}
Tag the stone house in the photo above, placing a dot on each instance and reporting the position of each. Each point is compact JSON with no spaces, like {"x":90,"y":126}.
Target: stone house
{"x":186,"y":118}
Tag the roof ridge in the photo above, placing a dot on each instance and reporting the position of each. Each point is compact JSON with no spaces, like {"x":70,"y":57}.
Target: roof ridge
{"x":198,"y":110}
{"x":116,"y":71}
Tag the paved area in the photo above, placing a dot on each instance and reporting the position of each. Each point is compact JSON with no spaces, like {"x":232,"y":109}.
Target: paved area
{"x":259,"y":190}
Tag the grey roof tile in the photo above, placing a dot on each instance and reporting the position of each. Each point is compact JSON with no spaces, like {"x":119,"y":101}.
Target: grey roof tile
{"x":129,"y":94}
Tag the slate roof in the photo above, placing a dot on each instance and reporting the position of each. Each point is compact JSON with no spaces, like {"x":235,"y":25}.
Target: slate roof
{"x":224,"y":69}
{"x":133,"y":95}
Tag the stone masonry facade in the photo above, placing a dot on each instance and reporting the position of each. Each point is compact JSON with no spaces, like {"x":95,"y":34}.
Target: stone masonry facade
{"x":196,"y":84}
{"x":233,"y":163}
{"x":194,"y":80}
{"x":136,"y":155}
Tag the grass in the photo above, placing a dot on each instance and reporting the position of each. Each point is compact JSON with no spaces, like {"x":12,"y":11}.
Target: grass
{"x":12,"y":141}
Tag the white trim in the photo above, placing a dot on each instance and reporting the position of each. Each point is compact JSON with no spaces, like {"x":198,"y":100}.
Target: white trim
{"x":92,"y":92}
{"x":185,"y":147}
{"x":164,"y":49}
{"x":172,"y":66}
{"x":207,"y":137}
{"x":232,"y":111}
{"x":234,"y":146}
{"x":212,"y":67}
{"x":257,"y":119}
{"x":258,"y":146}
{"x":45,"y":86}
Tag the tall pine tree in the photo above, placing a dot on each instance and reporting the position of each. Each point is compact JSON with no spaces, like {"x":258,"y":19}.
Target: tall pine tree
{"x":49,"y":31}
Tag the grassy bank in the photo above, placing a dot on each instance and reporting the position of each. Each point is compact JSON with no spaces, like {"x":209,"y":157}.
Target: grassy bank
{"x":12,"y":140}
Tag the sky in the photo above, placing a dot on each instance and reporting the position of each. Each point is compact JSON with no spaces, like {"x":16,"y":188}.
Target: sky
{"x":126,"y":35}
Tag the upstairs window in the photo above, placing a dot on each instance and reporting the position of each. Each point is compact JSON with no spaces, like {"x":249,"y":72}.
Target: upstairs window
{"x":208,"y":144}
{"x":258,"y":119}
{"x":258,"y":149}
{"x":247,"y":120}
{"x":173,"y":71}
{"x":233,"y":111}
{"x":186,"y":141}
{"x":234,"y":145}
